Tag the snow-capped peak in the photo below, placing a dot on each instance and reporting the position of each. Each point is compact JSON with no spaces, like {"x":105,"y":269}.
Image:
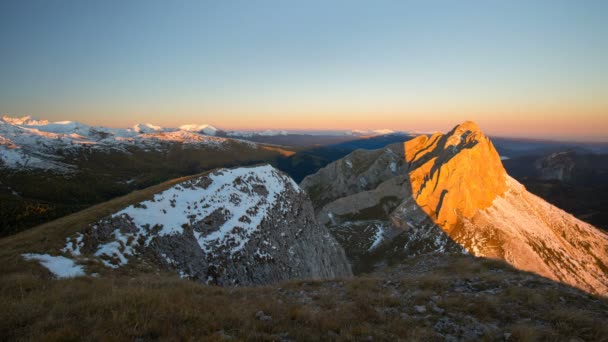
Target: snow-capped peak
{"x":384,"y":131}
{"x":146,"y":128}
{"x":271,"y":132}
{"x":205,"y":129}
{"x":26,"y":143}
{"x":250,"y":134}
{"x":25,"y":120}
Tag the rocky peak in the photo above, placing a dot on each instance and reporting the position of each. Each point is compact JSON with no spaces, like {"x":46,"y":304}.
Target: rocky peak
{"x":453,"y":193}
{"x":460,"y":170}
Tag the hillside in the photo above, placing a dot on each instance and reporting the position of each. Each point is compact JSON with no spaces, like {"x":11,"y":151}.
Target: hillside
{"x":425,"y":298}
{"x":242,"y":226}
{"x":49,"y":170}
{"x":309,"y":160}
{"x":449,"y":193}
{"x":575,"y":181}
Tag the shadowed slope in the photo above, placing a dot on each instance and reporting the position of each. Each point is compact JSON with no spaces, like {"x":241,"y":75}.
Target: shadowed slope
{"x":453,"y":188}
{"x":461,"y":185}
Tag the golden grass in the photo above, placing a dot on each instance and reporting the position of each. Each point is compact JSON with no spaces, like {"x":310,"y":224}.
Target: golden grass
{"x":50,"y":237}
{"x":283,"y":152}
{"x":126,"y":308}
{"x":45,"y":236}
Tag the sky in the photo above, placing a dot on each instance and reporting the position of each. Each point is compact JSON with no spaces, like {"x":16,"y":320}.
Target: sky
{"x":517,"y":68}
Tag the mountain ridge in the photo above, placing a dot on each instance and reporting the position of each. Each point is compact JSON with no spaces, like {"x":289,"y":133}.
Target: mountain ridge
{"x":240,"y":226}
{"x":454,"y":189}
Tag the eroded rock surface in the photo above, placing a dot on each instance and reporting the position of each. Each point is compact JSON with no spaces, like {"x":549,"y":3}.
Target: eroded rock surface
{"x":453,"y":194}
{"x":231,"y":227}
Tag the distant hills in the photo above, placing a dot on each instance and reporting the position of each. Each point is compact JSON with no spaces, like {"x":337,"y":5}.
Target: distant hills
{"x":48,"y":170}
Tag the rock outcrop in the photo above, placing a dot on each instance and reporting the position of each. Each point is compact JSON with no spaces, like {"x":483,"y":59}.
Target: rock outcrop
{"x":556,"y":166}
{"x":454,"y":175}
{"x":452,"y":191}
{"x":243,"y":226}
{"x":360,"y":171}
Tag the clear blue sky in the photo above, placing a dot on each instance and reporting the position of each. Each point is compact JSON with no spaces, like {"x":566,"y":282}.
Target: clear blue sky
{"x":517,"y":67}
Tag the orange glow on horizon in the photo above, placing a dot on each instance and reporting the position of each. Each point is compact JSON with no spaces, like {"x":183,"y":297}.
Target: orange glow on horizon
{"x":543,"y":122}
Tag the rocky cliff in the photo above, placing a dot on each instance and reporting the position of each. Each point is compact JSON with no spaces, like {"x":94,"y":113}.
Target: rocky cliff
{"x":230,"y":227}
{"x":556,"y":166}
{"x":449,"y":191}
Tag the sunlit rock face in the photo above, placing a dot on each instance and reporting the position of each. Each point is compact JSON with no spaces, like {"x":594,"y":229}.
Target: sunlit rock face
{"x":458,"y":180}
{"x":452,"y":189}
{"x":454,"y":175}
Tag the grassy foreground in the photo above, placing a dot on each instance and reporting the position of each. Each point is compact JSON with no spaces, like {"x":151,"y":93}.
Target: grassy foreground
{"x":427,"y":298}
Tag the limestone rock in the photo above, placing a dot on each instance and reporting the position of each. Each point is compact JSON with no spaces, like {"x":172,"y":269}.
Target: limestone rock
{"x":250,"y":225}
{"x":556,"y":166}
{"x":454,"y":175}
{"x":456,"y":192}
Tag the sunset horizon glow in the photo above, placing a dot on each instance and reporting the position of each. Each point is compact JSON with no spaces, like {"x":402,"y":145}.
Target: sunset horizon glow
{"x":519,"y":69}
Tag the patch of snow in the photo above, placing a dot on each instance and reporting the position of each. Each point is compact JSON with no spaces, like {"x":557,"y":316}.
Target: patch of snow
{"x":26,"y":120}
{"x":73,"y":245}
{"x":393,"y":167}
{"x":250,"y":134}
{"x":372,"y":132}
{"x":243,"y":196}
{"x":383,"y":131}
{"x":378,"y":236}
{"x":331,"y":217}
{"x":26,"y":143}
{"x":440,"y":243}
{"x":504,"y":158}
{"x":205,"y":129}
{"x":349,"y":163}
{"x":18,"y":158}
{"x":270,"y":132}
{"x":60,"y":266}
{"x":169,"y":260}
{"x":146,"y":128}
{"x":119,"y":249}
{"x":363,"y":182}
{"x":262,"y":255}
{"x":244,"y":134}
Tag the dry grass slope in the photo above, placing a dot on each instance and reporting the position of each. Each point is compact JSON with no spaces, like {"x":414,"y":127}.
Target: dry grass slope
{"x":423,"y":299}
{"x":50,"y":237}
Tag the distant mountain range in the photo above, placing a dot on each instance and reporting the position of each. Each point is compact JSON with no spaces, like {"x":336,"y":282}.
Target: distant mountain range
{"x":27,"y":143}
{"x":48,"y":170}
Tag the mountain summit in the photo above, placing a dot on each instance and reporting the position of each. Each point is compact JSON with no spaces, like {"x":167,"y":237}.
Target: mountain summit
{"x":450,"y":193}
{"x":459,"y":172}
